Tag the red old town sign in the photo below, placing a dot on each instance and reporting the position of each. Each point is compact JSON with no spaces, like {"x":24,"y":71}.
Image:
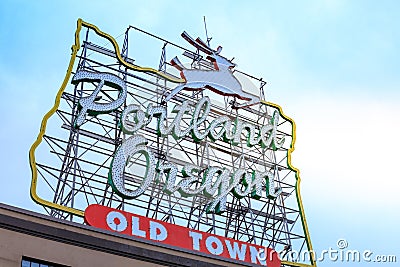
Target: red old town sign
{"x":181,"y":237}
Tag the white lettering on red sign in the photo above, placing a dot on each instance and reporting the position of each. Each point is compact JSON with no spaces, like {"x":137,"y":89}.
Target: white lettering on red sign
{"x":179,"y":236}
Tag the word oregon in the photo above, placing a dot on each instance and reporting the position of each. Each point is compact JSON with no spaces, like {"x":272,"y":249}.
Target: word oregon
{"x":216,"y":182}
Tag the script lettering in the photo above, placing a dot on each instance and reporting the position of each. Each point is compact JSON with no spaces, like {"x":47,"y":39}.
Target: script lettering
{"x":88,"y":105}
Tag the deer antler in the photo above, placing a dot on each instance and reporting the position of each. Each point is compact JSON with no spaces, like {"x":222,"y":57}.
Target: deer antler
{"x":203,"y":44}
{"x":219,"y":49}
{"x":195,"y":43}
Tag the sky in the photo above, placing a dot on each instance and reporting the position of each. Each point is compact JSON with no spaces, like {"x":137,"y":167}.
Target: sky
{"x":332,"y":65}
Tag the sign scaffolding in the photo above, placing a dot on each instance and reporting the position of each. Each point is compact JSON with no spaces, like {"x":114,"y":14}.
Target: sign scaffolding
{"x":178,"y":144}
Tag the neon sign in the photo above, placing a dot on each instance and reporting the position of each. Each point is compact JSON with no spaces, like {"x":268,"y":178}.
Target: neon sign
{"x":220,"y":80}
{"x":216,"y":182}
{"x":214,"y":160}
{"x":182,"y":237}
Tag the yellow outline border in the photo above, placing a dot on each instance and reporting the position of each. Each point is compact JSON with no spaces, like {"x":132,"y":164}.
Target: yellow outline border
{"x":75,"y":48}
{"x":32,"y":160}
{"x":297,"y":186}
{"x":122,"y":61}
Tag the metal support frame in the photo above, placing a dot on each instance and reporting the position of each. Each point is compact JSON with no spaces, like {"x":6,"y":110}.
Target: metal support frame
{"x":76,"y":173}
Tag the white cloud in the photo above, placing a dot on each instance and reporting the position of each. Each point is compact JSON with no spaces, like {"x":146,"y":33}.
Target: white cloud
{"x":347,"y":150}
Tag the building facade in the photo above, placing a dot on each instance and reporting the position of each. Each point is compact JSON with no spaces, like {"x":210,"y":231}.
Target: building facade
{"x":32,"y":238}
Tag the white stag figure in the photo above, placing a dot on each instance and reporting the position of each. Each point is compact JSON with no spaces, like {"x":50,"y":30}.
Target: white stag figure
{"x":220,"y":80}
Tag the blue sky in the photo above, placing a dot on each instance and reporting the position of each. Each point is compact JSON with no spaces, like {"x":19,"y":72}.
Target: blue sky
{"x":332,"y":65}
